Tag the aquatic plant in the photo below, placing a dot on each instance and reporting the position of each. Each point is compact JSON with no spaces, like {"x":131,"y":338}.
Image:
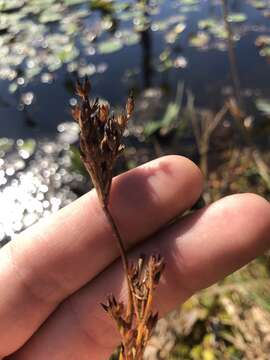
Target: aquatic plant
{"x":101,"y":144}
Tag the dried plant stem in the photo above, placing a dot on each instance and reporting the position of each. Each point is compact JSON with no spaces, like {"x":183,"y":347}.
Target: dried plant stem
{"x":100,"y":143}
{"x":123,"y":254}
{"x":117,"y":236}
{"x":146,"y":310}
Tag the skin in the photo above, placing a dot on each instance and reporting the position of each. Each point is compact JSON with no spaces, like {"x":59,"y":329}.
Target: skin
{"x":54,"y":275}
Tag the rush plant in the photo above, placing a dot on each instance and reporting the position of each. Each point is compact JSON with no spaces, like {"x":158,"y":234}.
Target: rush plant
{"x":101,"y":133}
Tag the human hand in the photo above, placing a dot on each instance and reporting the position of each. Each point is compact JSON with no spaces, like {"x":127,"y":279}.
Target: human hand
{"x":54,"y":275}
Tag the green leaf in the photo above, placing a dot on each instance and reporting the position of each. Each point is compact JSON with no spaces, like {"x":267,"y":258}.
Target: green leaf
{"x":189,"y":2}
{"x":76,"y":161}
{"x":109,"y":46}
{"x":207,"y":23}
{"x":50,"y":15}
{"x":263,"y":105}
{"x":104,"y":5}
{"x":10,"y":5}
{"x":199,"y":40}
{"x":6,"y":144}
{"x":26,"y":148}
{"x":170,"y":116}
{"x":151,"y":127}
{"x":265,"y":51}
{"x":259,"y":4}
{"x":68,"y":53}
{"x":74,"y":2}
{"x":237,"y":17}
{"x":173,"y":34}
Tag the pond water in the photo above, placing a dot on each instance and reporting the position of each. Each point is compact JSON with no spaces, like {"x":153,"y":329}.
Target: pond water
{"x":46,"y":45}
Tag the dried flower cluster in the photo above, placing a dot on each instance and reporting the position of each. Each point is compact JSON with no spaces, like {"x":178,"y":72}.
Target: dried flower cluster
{"x":137,"y":322}
{"x":100,"y":142}
{"x":100,"y":138}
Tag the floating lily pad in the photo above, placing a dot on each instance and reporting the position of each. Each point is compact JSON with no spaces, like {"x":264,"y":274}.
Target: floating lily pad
{"x":8,"y":20}
{"x":70,"y":28}
{"x":189,"y":8}
{"x":10,"y":5}
{"x":207,"y":23}
{"x":12,"y":88}
{"x":6,"y":73}
{"x":164,"y":25}
{"x":87,"y":70}
{"x":237,"y":17}
{"x":125,"y":16}
{"x":258,"y":4}
{"x":262,"y":41}
{"x":220,"y":32}
{"x":5,"y":39}
{"x":43,"y":3}
{"x":128,"y":37}
{"x":32,"y":9}
{"x":68,"y":53}
{"x":265,"y":51}
{"x":189,"y":2}
{"x":120,"y":7}
{"x":199,"y":40}
{"x":165,"y":55}
{"x":173,"y":34}
{"x":28,"y":28}
{"x":141,"y":23}
{"x":54,"y":41}
{"x":132,"y":39}
{"x":52,"y":14}
{"x":30,"y":73}
{"x":263,"y":105}
{"x":26,"y":148}
{"x":6,"y":144}
{"x":74,"y":2}
{"x":109,"y":46}
{"x":214,"y":27}
{"x":104,"y":5}
{"x":160,"y":25}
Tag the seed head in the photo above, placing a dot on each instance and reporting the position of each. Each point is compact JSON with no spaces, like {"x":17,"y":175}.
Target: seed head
{"x":101,"y":134}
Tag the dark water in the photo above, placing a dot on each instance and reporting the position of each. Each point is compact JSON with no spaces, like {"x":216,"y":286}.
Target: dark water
{"x":206,"y":74}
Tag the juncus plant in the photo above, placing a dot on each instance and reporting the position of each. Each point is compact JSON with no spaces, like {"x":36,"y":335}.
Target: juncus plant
{"x":101,"y":133}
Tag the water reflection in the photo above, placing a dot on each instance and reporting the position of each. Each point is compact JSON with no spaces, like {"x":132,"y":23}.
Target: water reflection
{"x":146,"y":44}
{"x":36,"y":179}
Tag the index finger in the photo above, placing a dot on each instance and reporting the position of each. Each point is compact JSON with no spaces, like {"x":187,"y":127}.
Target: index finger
{"x":56,"y":257}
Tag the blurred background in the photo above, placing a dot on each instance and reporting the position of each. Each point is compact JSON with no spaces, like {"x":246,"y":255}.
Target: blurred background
{"x":199,"y":70}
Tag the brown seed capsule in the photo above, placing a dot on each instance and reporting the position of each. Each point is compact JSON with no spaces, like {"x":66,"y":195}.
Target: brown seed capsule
{"x":130,"y":105}
{"x":100,"y":137}
{"x":104,"y":112}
